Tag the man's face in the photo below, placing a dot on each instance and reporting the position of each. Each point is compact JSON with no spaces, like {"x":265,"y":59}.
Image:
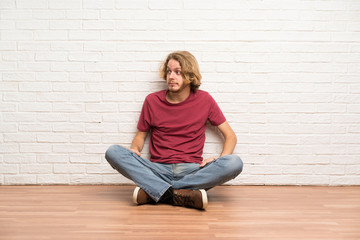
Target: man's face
{"x":174,"y":77}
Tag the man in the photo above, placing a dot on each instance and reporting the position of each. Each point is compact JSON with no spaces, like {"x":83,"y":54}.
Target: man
{"x":176,"y":118}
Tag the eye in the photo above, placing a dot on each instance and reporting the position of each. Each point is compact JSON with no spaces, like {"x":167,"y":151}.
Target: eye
{"x":178,"y":72}
{"x":169,"y":72}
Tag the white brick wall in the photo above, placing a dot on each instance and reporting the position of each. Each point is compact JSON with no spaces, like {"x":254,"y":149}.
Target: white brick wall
{"x":74,"y":73}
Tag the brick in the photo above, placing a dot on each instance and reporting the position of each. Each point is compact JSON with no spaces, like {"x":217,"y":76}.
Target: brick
{"x":95,"y":149}
{"x":248,"y":180}
{"x":7,"y":4}
{"x":83,"y":13}
{"x":162,"y":4}
{"x":33,"y":46}
{"x":66,"y":67}
{"x":344,"y":180}
{"x":66,"y":46}
{"x":54,"y":56}
{"x":34,"y":66}
{"x":101,"y":67}
{"x":99,"y":4}
{"x":116,"y":14}
{"x":85,"y":138}
{"x":52,"y":138}
{"x":98,"y":25}
{"x":118,"y":56}
{"x":66,"y":4}
{"x":48,"y":14}
{"x":101,"y":127}
{"x":99,"y":169}
{"x":346,"y":118}
{"x":115,"y":178}
{"x":51,"y":35}
{"x":353,"y":170}
{"x":99,"y":46}
{"x":8,"y":66}
{"x":87,"y":57}
{"x":84,"y":97}
{"x":84,"y":77}
{"x":39,"y":4}
{"x":34,"y":127}
{"x":18,"y":76}
{"x":8,"y":169}
{"x":311,"y":179}
{"x":19,"y":137}
{"x":51,"y":117}
{"x":101,"y":107}
{"x":85,"y":158}
{"x":52,"y":97}
{"x":68,"y":87}
{"x":69,"y":168}
{"x":85,"y":117}
{"x":20,"y":158}
{"x":53,"y":158}
{"x":122,"y":139}
{"x":32,"y":25}
{"x":280,"y":179}
{"x":18,"y":56}
{"x":85,"y":179}
{"x":7,"y":107}
{"x":36,"y":168}
{"x":9,"y":86}
{"x":329,"y":170}
{"x":7,"y":45}
{"x":20,"y":179}
{"x":52,"y":76}
{"x":134,"y":4}
{"x":35,"y":107}
{"x":203,"y":4}
{"x":353,"y":149}
{"x":102,"y":87}
{"x":68,"y":148}
{"x":53,"y":179}
{"x":68,"y":127}
{"x":35,"y":148}
{"x":16,"y":14}
{"x":65,"y":24}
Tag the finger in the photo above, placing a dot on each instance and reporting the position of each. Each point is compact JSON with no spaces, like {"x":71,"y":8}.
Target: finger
{"x":136,"y":152}
{"x":204,"y":163}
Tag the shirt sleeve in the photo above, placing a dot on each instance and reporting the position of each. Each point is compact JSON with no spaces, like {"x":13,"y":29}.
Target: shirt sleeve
{"x":144,"y":123}
{"x":216,"y":116}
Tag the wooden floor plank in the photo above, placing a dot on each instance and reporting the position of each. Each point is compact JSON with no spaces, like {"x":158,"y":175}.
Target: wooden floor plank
{"x":234,"y":212}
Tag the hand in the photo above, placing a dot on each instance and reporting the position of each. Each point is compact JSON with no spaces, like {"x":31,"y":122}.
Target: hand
{"x":134,"y":150}
{"x":206,"y":161}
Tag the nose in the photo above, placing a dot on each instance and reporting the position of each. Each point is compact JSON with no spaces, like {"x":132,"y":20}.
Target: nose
{"x":171,"y":75}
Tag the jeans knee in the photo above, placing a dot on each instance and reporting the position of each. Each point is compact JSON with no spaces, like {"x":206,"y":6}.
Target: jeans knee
{"x":112,"y":152}
{"x":235,"y":163}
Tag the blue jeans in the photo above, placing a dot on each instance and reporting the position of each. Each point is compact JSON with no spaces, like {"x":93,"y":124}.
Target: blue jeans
{"x":156,"y":178}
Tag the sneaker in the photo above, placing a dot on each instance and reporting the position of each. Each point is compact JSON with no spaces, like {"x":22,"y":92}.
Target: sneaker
{"x":190,"y":198}
{"x":141,"y":197}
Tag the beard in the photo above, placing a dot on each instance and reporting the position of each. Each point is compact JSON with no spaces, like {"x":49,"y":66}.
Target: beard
{"x":178,"y":87}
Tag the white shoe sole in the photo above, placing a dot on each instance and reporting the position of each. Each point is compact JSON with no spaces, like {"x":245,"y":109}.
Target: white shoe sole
{"x":135,"y":194}
{"x":204,"y":198}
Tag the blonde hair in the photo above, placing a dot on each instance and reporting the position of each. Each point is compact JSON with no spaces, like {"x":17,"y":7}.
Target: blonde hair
{"x":189,"y":68}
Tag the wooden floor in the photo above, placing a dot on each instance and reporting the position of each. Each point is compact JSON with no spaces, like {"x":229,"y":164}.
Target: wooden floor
{"x":234,"y":212}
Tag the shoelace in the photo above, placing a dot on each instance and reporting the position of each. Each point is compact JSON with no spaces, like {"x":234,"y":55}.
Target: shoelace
{"x":184,"y":200}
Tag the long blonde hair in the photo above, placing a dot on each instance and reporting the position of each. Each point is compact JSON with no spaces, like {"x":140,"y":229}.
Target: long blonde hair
{"x":189,"y":68}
